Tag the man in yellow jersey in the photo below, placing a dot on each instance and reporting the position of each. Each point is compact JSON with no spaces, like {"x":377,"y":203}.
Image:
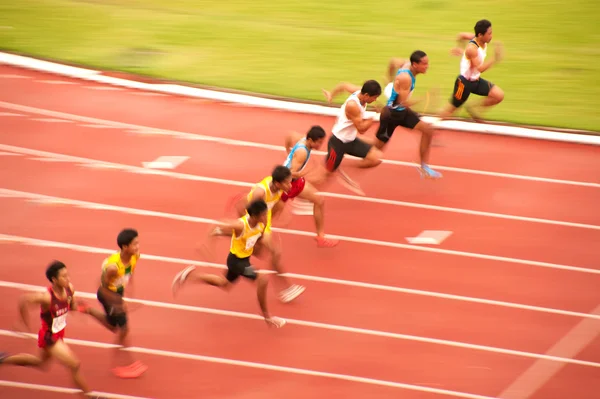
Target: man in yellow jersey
{"x":245,"y":233}
{"x":117,"y":271}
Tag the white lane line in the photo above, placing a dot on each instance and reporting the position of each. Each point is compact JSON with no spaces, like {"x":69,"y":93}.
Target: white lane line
{"x":165,"y":259}
{"x":263,"y":366}
{"x":185,"y":176}
{"x":331,"y":327}
{"x":50,"y":120}
{"x":542,"y":370}
{"x":52,"y":388}
{"x":10,"y":114}
{"x":195,"y":219}
{"x":279,"y":148}
{"x":55,"y":82}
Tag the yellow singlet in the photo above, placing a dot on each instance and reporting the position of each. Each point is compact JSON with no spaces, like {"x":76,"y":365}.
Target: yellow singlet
{"x":243,"y":246}
{"x":270,"y":198}
{"x":124,"y":272}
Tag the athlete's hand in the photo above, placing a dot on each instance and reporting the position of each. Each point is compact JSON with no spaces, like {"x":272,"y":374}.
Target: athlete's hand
{"x":327,"y":95}
{"x":456,"y":51}
{"x":499,"y":52}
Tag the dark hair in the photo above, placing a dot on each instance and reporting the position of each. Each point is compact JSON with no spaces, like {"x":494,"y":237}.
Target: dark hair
{"x":126,"y":236}
{"x":371,"y":88}
{"x":315,"y":133}
{"x":482,"y":26}
{"x":257,"y":207}
{"x":280,"y":173}
{"x":53,"y":269}
{"x":416,"y":56}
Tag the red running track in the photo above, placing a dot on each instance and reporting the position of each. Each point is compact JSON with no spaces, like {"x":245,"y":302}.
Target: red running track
{"x":550,"y":263}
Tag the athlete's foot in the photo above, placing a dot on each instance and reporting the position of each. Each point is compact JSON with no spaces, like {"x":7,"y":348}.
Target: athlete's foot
{"x":291,"y":293}
{"x":134,"y":370}
{"x":180,"y":278}
{"x":276,"y":322}
{"x":427,"y":172}
{"x":474,"y":114}
{"x":3,"y":355}
{"x":326,"y":242}
{"x":350,"y":184}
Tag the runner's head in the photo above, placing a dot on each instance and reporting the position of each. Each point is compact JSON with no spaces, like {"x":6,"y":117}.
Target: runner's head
{"x":483,"y":31}
{"x":282,"y":178}
{"x":370,"y":91}
{"x":419,"y":61}
{"x":258,"y":211}
{"x":128,"y":241}
{"x":57,"y":274}
{"x":315,"y":137}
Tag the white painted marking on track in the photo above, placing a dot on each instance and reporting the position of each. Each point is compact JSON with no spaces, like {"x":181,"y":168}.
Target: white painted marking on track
{"x":104,"y":88}
{"x":186,"y":176}
{"x":97,"y":126}
{"x":13,"y":76}
{"x":52,"y":388}
{"x":55,"y":82}
{"x":9,"y":154}
{"x":434,"y":237}
{"x":10,"y":114}
{"x":279,"y":148}
{"x":165,"y":259}
{"x":195,"y":219}
{"x":51,"y":120}
{"x":165,"y":162}
{"x":539,"y":373}
{"x":149,"y":94}
{"x":46,"y":159}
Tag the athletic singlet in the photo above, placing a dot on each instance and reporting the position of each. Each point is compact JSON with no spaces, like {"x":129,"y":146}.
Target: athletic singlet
{"x":394,"y":95}
{"x":124,"y":272}
{"x":466,"y":70}
{"x":344,"y":128}
{"x":55,"y":318}
{"x":243,"y":246}
{"x":270,"y":198}
{"x":300,"y":144}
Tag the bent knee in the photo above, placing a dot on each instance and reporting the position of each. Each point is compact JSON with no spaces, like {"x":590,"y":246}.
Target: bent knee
{"x":497,"y":93}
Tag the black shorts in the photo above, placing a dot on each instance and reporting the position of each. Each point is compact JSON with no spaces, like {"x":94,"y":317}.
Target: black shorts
{"x":237,"y":267}
{"x":463,"y":88}
{"x":390,"y":119}
{"x":113,"y":317}
{"x":336,"y":149}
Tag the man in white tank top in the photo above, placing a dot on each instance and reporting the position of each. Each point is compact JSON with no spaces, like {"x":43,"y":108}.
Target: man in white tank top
{"x":471,"y":66}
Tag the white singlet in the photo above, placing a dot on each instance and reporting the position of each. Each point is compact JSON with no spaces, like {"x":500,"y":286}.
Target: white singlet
{"x":344,"y":128}
{"x":466,"y":70}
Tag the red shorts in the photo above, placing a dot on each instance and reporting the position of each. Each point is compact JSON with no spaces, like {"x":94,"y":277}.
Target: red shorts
{"x":46,"y":339}
{"x":297,"y":187}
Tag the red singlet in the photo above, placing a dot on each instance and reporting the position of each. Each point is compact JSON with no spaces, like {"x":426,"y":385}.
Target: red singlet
{"x":297,"y":188}
{"x":54,"y":320}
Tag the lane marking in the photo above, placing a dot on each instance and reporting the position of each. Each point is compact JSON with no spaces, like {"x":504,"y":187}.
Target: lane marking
{"x":165,"y":162}
{"x":55,"y":82}
{"x":540,"y":372}
{"x":263,"y":366}
{"x":434,"y":237}
{"x":104,"y":88}
{"x":10,"y":114}
{"x":9,"y":154}
{"x":12,"y":239}
{"x":13,"y":76}
{"x":50,"y":120}
{"x":52,"y":388}
{"x":185,"y":176}
{"x":279,"y":148}
{"x":96,"y":126}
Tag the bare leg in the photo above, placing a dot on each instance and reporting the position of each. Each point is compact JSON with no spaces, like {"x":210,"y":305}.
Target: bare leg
{"x":27,"y":360}
{"x":310,"y":194}
{"x":261,"y":293}
{"x":494,"y":97}
{"x":426,"y":130}
{"x":61,"y":352}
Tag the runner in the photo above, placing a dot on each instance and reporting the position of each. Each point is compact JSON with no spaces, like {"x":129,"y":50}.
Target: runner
{"x":472,"y":65}
{"x":349,"y":123}
{"x":270,"y":189}
{"x":398,"y":111}
{"x":117,"y":273}
{"x":55,"y":303}
{"x":245,"y":233}
{"x":299,"y":149}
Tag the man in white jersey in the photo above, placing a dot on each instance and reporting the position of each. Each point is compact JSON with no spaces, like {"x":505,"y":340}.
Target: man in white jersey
{"x":299,"y":149}
{"x":350,"y":122}
{"x":398,"y":110}
{"x":472,"y":65}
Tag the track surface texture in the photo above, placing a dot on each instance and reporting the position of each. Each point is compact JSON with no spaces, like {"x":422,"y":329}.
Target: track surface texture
{"x":507,"y":306}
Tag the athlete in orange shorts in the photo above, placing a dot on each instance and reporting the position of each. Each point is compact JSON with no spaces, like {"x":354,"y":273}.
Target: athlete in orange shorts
{"x":299,"y":149}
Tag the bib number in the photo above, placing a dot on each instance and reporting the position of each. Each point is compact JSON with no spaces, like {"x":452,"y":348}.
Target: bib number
{"x":59,"y":323}
{"x":250,"y":242}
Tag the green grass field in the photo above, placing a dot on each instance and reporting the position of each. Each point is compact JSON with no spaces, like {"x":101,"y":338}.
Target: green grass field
{"x":293,"y":48}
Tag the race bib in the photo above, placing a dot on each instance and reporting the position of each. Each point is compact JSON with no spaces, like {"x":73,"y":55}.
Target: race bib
{"x":251,"y":241}
{"x":59,"y":323}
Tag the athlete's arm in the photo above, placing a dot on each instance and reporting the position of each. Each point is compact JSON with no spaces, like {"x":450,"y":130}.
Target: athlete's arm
{"x":27,"y":300}
{"x":393,"y":66}
{"x":344,"y":86}
{"x":290,"y":140}
{"x":226,"y":228}
{"x":461,"y":38}
{"x":109,"y":275}
{"x":353,"y":113}
{"x":297,"y":161}
{"x":473,"y":56}
{"x":402,"y":87}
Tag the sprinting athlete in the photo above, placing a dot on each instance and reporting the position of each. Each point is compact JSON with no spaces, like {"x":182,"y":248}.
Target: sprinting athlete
{"x":472,"y":65}
{"x":299,"y":149}
{"x":398,"y":110}
{"x":55,"y":303}
{"x":270,"y":189}
{"x":245,"y":233}
{"x":117,"y":273}
{"x":350,"y":122}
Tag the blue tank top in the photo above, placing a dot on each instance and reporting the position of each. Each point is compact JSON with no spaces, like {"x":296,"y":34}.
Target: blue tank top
{"x":394,"y":95}
{"x":300,"y":144}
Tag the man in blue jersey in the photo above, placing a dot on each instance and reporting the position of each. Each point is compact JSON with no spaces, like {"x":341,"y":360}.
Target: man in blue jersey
{"x":299,"y":149}
{"x":398,"y":110}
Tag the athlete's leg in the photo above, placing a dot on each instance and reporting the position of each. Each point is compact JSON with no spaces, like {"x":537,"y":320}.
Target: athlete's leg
{"x":26,"y":360}
{"x":61,"y":352}
{"x":309,"y":193}
{"x":261,"y":292}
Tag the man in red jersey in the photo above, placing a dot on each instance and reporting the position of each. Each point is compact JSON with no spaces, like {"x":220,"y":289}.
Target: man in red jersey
{"x":55,"y":303}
